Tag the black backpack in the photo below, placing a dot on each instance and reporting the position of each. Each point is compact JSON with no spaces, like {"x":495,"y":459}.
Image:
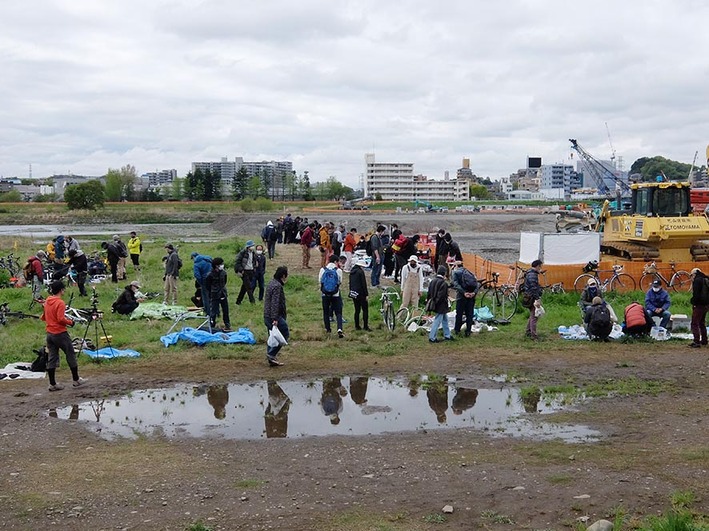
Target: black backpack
{"x":369,"y":248}
{"x":40,"y":364}
{"x":601,"y":317}
{"x":468,"y":281}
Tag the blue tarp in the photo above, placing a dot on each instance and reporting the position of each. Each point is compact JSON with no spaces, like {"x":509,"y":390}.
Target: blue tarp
{"x":111,"y":352}
{"x":483,"y":314}
{"x":202,"y":337}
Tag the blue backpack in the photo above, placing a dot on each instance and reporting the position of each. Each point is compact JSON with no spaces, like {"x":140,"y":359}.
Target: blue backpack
{"x":330,"y":281}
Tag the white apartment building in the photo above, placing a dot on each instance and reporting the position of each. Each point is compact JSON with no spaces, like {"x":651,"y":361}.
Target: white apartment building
{"x":395,"y":181}
{"x":274,"y":170}
{"x":156,"y":179}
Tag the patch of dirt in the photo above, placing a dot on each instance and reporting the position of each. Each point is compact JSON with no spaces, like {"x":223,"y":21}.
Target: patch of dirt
{"x":63,"y":474}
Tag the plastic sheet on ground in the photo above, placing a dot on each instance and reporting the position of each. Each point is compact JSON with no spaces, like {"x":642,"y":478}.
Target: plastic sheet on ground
{"x":578,"y":332}
{"x":156,"y":310}
{"x":20,"y":370}
{"x":106,"y":353}
{"x":483,"y":314}
{"x":202,"y":337}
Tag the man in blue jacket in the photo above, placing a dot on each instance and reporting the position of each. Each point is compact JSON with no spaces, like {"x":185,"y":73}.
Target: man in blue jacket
{"x":202,"y":267}
{"x":657,"y":303}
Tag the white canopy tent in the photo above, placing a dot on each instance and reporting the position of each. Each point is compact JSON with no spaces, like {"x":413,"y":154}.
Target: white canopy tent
{"x":559,"y":249}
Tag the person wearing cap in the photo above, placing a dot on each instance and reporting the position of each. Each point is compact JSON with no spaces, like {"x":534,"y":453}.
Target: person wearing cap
{"x":58,"y":337}
{"x":438,"y":303}
{"x":135,"y":247}
{"x":269,"y":236}
{"x":215,"y":283}
{"x":122,"y":255}
{"x":588,"y":294}
{"x":359,"y":294}
{"x":411,"y":282}
{"x":657,"y":303}
{"x":700,"y":306}
{"x":172,"y":272}
{"x":201,"y":267}
{"x":244,"y":267}
{"x":534,"y":290}
{"x":112,"y":255}
{"x":466,"y":289}
{"x":127,"y":301}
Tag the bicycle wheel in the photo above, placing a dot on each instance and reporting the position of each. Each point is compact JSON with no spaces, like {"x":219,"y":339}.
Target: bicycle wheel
{"x":681,"y":281}
{"x":502,"y":305}
{"x":403,"y":316}
{"x":647,"y":279}
{"x":622,"y":282}
{"x":582,"y":281}
{"x":389,"y":318}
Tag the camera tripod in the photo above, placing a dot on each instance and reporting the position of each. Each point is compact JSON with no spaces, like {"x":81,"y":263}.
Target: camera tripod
{"x":94,"y":317}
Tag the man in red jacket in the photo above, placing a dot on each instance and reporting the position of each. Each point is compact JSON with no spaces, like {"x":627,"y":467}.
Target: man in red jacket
{"x":58,"y":338}
{"x":306,"y":239}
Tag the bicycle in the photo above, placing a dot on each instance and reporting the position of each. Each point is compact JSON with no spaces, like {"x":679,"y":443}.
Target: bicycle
{"x":387,"y":308}
{"x":556,"y":288}
{"x":501,"y":299}
{"x":5,"y":312}
{"x":679,"y":281}
{"x":618,"y":281}
{"x":417,"y":316}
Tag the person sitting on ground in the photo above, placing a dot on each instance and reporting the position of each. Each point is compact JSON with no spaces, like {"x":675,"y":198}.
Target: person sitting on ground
{"x":127,"y":300}
{"x":590,"y":292}
{"x":637,"y":323}
{"x":657,"y":303}
{"x":597,"y":319}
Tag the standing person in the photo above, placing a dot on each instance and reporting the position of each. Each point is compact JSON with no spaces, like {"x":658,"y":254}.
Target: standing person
{"x":244,"y":267}
{"x":325,"y":247}
{"x":216,"y":283}
{"x":275,"y":313}
{"x":259,"y":272}
{"x":122,"y":255}
{"x":330,"y":279}
{"x":58,"y":338}
{"x":438,"y":303}
{"x":377,"y":255}
{"x":35,"y":271}
{"x":337,"y":239}
{"x":77,"y":260}
{"x":59,"y":249}
{"x":71,"y":244}
{"x":466,"y":288}
{"x":359,"y":294}
{"x":201,"y":267}
{"x":700,"y":306}
{"x":306,"y":239}
{"x":135,"y":247}
{"x":454,"y":252}
{"x":348,"y":246}
{"x":127,"y":300}
{"x":172,"y":273}
{"x":441,"y":249}
{"x":657,"y":303}
{"x":269,"y":236}
{"x":409,"y":247}
{"x":533,"y":290}
{"x":411,"y":282}
{"x":112,"y":255}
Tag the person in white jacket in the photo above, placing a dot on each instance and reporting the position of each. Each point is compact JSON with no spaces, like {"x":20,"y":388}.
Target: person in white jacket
{"x":411,"y":282}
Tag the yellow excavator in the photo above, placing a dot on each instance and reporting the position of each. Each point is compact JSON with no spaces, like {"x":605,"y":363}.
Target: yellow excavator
{"x":659,"y":226}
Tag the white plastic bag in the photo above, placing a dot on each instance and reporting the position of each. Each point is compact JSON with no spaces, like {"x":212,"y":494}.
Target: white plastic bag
{"x":275,"y":338}
{"x":539,"y":310}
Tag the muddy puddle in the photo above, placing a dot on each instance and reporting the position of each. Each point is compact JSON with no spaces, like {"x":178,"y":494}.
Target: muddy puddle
{"x":355,"y":405}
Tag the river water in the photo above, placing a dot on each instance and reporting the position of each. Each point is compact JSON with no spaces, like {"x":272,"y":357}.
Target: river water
{"x":188,"y":232}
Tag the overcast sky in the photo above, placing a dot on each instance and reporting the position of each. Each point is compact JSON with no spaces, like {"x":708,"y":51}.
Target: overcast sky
{"x":88,"y":86}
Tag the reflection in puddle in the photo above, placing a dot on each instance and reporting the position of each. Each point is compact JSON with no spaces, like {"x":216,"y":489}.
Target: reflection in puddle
{"x":356,"y":405}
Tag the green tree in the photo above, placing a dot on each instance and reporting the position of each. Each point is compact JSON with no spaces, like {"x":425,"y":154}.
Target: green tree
{"x":45,"y":198}
{"x":239,"y":184}
{"x":113,"y":185}
{"x":480,"y":191}
{"x":11,"y":196}
{"x":177,"y":190}
{"x":89,"y":195}
{"x":290,"y":186}
{"x":120,"y":184}
{"x":306,"y":193}
{"x":651,"y":168}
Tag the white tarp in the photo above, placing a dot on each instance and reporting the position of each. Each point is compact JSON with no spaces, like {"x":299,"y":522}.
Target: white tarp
{"x":559,"y":249}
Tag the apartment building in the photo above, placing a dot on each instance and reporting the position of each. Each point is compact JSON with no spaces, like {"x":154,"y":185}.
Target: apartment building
{"x":395,"y":181}
{"x":273,"y":171}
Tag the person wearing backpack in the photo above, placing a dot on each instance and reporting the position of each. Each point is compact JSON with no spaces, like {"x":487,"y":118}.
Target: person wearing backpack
{"x":330,"y":278}
{"x":244,"y":267}
{"x":700,"y":306}
{"x":122,"y":255}
{"x":466,"y":287}
{"x":598,"y":320}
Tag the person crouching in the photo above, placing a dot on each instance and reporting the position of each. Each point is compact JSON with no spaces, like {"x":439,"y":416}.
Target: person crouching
{"x":127,"y":300}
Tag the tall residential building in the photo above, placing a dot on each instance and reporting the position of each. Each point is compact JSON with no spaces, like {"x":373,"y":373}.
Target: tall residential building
{"x":224,"y":168}
{"x":558,"y":180}
{"x":156,"y":179}
{"x":273,"y":171}
{"x":395,"y":181}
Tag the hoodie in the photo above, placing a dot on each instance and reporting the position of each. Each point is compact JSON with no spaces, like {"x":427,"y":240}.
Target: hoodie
{"x":53,"y":315}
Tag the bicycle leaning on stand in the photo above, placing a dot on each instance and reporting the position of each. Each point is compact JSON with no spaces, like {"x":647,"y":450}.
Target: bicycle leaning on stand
{"x":619,"y":281}
{"x":501,"y":299}
{"x":387,"y":308}
{"x":679,"y":281}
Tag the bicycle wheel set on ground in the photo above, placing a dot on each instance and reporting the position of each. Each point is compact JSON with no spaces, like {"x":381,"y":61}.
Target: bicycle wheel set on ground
{"x":502,"y":302}
{"x":388,"y":316}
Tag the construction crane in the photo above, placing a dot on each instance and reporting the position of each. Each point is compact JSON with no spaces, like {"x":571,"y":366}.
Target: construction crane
{"x":599,"y":172}
{"x":610,"y":143}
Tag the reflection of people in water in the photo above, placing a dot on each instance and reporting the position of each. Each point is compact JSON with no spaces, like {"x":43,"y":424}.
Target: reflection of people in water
{"x":437,"y":394}
{"x":464,"y":399}
{"x":74,"y":414}
{"x":358,"y":389}
{"x":218,"y":398}
{"x":530,"y":400}
{"x":331,"y":401}
{"x":413,"y":387}
{"x":276,"y":416}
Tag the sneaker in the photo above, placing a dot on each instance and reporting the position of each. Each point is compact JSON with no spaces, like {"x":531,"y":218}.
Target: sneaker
{"x":451,"y":338}
{"x":694,"y":345}
{"x":367,"y":329}
{"x":340,"y":334}
{"x":56,"y":387}
{"x":275,"y":363}
{"x":434,"y":340}
{"x":79,"y":382}
{"x":226,"y":329}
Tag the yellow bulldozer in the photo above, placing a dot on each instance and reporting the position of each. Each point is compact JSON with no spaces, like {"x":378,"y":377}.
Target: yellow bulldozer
{"x":659,"y":226}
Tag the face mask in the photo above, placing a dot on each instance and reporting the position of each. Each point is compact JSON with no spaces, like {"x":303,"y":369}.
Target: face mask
{"x":259,"y":251}
{"x":592,"y":288}
{"x":220,"y":267}
{"x":655,"y":289}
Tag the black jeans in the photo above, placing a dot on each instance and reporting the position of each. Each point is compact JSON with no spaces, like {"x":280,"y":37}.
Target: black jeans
{"x":125,"y":309}
{"x":215,"y":303}
{"x":464,"y":307}
{"x":361,"y":303}
{"x":331,"y":304}
{"x":247,"y":278}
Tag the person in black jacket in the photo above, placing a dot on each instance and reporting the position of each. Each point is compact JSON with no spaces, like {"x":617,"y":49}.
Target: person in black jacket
{"x":438,"y":302}
{"x":358,"y":286}
{"x":216,"y":285}
{"x":533,"y":289}
{"x":126,"y":301}
{"x":112,"y":254}
{"x":700,"y":306}
{"x":259,"y":271}
{"x":77,"y":260}
{"x":275,"y":312}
